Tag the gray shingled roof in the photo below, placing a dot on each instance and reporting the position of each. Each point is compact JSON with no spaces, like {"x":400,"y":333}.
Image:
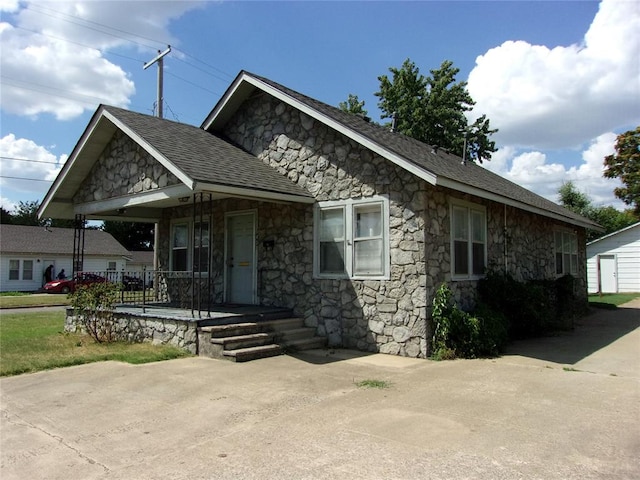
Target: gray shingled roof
{"x":15,"y":239}
{"x":439,"y":162}
{"x":205,"y":157}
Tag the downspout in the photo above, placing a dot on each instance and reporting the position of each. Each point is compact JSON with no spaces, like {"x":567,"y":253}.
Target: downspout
{"x":506,"y":253}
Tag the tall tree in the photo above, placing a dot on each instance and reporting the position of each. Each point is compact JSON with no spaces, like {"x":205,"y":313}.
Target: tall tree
{"x":432,"y":110}
{"x":625,"y":165}
{"x":5,"y":216}
{"x":608,"y":217}
{"x":353,"y":105}
{"x":133,"y":236}
{"x":26,"y":213}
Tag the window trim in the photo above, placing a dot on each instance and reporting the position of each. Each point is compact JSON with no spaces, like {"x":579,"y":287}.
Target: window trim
{"x":349,"y":206}
{"x":20,"y":270}
{"x":16,"y":270}
{"x":191,"y":233}
{"x":573,"y":242}
{"x":470,"y":207}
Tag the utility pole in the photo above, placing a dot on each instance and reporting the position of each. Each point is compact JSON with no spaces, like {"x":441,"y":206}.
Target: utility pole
{"x":160,"y":61}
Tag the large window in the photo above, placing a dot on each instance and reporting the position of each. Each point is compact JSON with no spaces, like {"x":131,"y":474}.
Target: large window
{"x":186,"y":252}
{"x":352,"y":239}
{"x":566,"y":253}
{"x":468,"y":240}
{"x":20,"y":269}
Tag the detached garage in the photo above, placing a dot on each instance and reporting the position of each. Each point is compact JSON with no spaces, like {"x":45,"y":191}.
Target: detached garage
{"x":613,"y":262}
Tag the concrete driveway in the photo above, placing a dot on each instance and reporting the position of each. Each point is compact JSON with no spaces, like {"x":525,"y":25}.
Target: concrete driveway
{"x":561,"y":407}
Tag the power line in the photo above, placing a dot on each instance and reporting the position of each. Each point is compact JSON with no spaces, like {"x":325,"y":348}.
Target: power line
{"x":27,"y":160}
{"x":24,"y":178}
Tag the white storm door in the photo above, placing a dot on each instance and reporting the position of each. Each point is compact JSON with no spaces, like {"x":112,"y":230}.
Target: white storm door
{"x":241,"y":259}
{"x":608,"y":280}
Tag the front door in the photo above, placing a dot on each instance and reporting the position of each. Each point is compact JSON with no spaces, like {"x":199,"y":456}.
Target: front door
{"x":241,"y":258}
{"x":608,"y":281}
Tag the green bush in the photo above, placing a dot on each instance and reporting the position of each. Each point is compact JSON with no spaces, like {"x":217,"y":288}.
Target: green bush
{"x":93,"y":305}
{"x":458,"y":334}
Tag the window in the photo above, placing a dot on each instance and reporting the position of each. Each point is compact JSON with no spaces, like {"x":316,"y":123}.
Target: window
{"x":14,"y":269}
{"x":186,"y":252}
{"x":352,"y":239}
{"x":111,"y":265}
{"x":566,"y":253}
{"x":27,"y":269}
{"x":468,"y":239}
{"x":17,"y":273}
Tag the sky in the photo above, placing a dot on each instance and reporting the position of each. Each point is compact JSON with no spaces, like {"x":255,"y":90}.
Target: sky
{"x":558,"y":79}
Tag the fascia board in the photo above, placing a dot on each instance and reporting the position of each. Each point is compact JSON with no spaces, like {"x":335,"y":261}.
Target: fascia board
{"x":330,"y":122}
{"x":461,"y":187}
{"x":150,"y":149}
{"x":253,"y":193}
{"x":137,"y":199}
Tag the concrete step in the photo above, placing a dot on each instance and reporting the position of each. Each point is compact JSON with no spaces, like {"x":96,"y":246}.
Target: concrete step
{"x":242,"y":341}
{"x":252,"y":353}
{"x":295,"y":334}
{"x":304,"y":344}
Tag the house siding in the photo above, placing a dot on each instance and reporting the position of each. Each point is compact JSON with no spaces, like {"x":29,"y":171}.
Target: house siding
{"x":625,"y":246}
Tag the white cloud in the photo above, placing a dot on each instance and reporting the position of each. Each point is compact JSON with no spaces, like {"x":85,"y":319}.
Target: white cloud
{"x":541,"y":97}
{"x":534,"y":171}
{"x":41,"y":165}
{"x":52,"y":53}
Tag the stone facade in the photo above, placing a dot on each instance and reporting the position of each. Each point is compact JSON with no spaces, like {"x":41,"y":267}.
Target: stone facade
{"x":145,"y":328}
{"x":123,"y":168}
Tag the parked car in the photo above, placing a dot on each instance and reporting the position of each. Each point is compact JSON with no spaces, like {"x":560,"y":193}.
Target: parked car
{"x":131,"y":283}
{"x":69,"y":285}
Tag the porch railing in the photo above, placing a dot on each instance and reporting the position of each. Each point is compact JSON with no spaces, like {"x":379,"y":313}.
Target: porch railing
{"x":145,"y":288}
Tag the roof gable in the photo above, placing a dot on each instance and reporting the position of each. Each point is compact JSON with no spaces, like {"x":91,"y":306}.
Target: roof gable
{"x":433,"y":165}
{"x":56,"y":241}
{"x":616,"y":233}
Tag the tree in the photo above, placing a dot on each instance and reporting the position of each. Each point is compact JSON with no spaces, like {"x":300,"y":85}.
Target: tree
{"x":625,"y":164}
{"x":607,"y":217}
{"x":26,"y":213}
{"x":133,"y":236}
{"x":432,"y":110}
{"x":353,"y":105}
{"x":5,"y":216}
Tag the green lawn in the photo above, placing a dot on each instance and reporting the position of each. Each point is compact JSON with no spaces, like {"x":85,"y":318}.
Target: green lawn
{"x":34,"y":341}
{"x":611,"y":300}
{"x":17,"y":300}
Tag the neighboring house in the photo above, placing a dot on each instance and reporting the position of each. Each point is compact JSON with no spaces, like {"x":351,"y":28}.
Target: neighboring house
{"x":26,"y":251}
{"x":279,"y":199}
{"x":139,"y":261}
{"x":613,"y":262}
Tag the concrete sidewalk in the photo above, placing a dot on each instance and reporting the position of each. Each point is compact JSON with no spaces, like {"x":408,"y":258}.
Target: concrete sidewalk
{"x":561,"y":407}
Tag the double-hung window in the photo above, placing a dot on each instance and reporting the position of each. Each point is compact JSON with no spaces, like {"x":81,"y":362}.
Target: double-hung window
{"x":468,"y":240}
{"x":190,"y":246}
{"x":20,"y":269}
{"x":566,"y":253}
{"x":351,"y":239}
{"x":14,"y":269}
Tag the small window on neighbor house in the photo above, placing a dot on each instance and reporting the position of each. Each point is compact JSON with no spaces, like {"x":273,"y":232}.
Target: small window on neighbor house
{"x":14,"y":269}
{"x":27,"y":269}
{"x":566,"y":252}
{"x":469,"y":240}
{"x":111,"y":266}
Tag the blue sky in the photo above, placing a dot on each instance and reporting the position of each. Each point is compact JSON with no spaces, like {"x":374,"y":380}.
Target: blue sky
{"x":559,"y":79}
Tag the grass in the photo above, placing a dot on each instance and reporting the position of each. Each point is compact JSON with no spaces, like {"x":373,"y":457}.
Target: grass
{"x":17,"y":300}
{"x":35,"y":341}
{"x":373,"y":384}
{"x":611,"y":300}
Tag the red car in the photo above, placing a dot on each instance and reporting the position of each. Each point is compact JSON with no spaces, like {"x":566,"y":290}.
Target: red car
{"x":69,"y":284}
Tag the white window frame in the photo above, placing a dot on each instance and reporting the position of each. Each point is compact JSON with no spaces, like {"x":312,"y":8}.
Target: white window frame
{"x":568,"y":251}
{"x":20,"y":270}
{"x":15,"y":271}
{"x":470,"y":208}
{"x":191,"y":233}
{"x":27,"y":273}
{"x":349,"y":207}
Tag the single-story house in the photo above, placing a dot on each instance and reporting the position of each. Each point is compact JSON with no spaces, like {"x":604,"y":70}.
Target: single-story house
{"x":613,"y":262}
{"x":281,"y":200}
{"x":139,"y":261}
{"x":27,"y":251}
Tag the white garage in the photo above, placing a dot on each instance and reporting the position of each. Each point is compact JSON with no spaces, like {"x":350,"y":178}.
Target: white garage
{"x":613,"y":262}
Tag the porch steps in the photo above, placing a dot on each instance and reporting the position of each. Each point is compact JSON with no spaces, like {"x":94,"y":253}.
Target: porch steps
{"x":249,"y":340}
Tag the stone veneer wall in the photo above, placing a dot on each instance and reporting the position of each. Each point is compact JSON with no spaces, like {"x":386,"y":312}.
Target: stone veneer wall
{"x":145,"y":328}
{"x":123,"y":168}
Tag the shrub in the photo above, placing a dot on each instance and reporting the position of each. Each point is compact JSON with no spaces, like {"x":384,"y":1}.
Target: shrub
{"x":458,"y":334}
{"x":93,"y":305}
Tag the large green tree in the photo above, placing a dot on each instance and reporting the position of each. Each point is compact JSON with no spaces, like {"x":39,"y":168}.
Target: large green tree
{"x":432,"y":109}
{"x":353,"y":105}
{"x":625,"y":165}
{"x":133,"y":236}
{"x":608,"y":217}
